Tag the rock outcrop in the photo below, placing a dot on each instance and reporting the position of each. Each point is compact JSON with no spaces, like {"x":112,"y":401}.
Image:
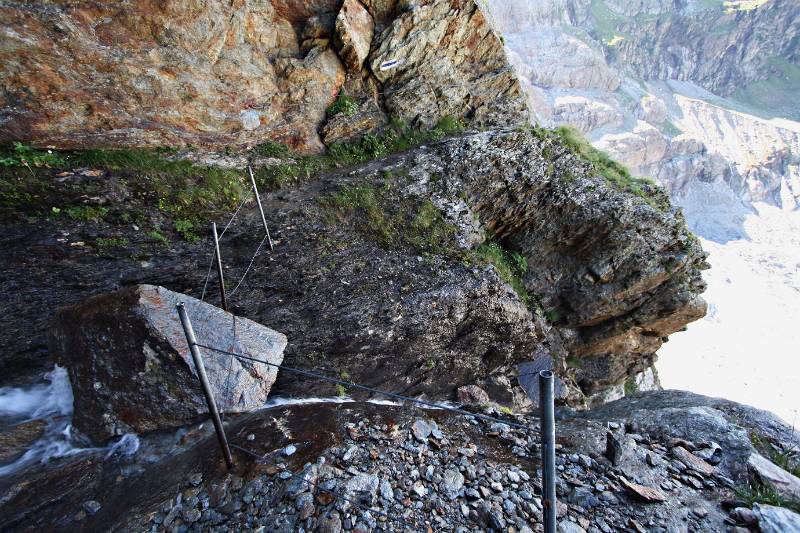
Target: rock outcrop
{"x":437,"y":60}
{"x":213,"y":74}
{"x":609,"y":274}
{"x":130,"y":367}
{"x":353,"y":38}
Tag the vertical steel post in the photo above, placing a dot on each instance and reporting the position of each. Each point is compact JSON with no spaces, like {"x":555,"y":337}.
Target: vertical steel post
{"x":201,"y":372}
{"x":548,"y":436}
{"x":218,"y":255}
{"x":258,"y":202}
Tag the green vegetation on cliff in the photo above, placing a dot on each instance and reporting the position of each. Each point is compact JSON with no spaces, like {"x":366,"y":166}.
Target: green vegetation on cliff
{"x":186,"y":193}
{"x":391,"y":219}
{"x":614,"y":173}
{"x":511,"y":266}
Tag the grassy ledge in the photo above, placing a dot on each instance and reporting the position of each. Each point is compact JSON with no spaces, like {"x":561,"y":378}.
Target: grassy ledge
{"x":614,"y":173}
{"x":186,"y":194}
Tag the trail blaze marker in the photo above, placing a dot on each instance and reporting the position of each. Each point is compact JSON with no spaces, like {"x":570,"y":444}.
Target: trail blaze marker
{"x":388,"y":65}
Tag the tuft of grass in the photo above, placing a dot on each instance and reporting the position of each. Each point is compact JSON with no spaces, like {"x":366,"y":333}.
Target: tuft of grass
{"x":789,"y":459}
{"x":111,"y":242}
{"x":86,"y":213}
{"x":511,"y":266}
{"x":757,"y":493}
{"x":505,"y":410}
{"x":344,"y":105}
{"x":391,"y":220}
{"x":630,"y":386}
{"x":22,"y":155}
{"x":272,"y":149}
{"x":341,"y":390}
{"x":185,"y":228}
{"x":449,"y":125}
{"x":159,"y":237}
{"x":552,"y":316}
{"x":614,"y":173}
{"x":574,"y":362}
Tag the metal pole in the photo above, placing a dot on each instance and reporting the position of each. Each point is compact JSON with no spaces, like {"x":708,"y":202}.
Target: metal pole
{"x":201,"y":372}
{"x":222,"y":297}
{"x":258,"y":202}
{"x":548,"y":436}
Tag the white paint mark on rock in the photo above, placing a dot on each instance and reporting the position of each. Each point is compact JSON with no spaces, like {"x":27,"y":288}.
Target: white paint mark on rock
{"x":251,"y":119}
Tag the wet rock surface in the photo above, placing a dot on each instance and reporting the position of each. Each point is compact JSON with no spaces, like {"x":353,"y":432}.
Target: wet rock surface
{"x":130,"y":367}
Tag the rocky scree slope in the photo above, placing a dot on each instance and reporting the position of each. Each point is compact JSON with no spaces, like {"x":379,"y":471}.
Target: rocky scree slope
{"x":213,"y":73}
{"x":384,"y":272}
{"x":637,"y":464}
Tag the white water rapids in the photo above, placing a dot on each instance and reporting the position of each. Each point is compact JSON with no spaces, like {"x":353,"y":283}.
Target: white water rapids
{"x":52,"y":403}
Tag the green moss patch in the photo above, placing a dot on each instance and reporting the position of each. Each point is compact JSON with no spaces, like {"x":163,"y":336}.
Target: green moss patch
{"x":393,"y":221}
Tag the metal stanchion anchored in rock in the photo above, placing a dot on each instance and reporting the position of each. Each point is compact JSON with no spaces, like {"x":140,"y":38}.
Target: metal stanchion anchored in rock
{"x":201,"y":373}
{"x":216,"y":256}
{"x":187,"y":325}
{"x":548,"y":438}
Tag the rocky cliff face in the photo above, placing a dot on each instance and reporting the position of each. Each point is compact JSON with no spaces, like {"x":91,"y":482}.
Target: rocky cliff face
{"x":669,"y":41}
{"x":607,"y":268}
{"x":649,"y":83}
{"x":399,"y":272}
{"x":214,"y":73}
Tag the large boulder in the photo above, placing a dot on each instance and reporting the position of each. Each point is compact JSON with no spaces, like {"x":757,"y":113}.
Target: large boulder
{"x":131,"y":370}
{"x":767,"y":472}
{"x":773,"y":519}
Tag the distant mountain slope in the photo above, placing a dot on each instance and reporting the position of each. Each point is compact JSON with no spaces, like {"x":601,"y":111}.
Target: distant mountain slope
{"x":680,"y":91}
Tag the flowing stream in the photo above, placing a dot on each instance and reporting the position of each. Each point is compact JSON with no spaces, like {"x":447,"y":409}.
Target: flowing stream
{"x":50,"y":402}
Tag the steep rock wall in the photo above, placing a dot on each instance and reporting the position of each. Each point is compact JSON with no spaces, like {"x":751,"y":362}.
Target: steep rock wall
{"x":212,"y":73}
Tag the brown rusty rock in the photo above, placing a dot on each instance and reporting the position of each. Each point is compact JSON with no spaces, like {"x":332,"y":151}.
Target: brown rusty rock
{"x":353,"y":38}
{"x":110,"y":74}
{"x":103,"y":74}
{"x":692,"y":461}
{"x":646,"y":494}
